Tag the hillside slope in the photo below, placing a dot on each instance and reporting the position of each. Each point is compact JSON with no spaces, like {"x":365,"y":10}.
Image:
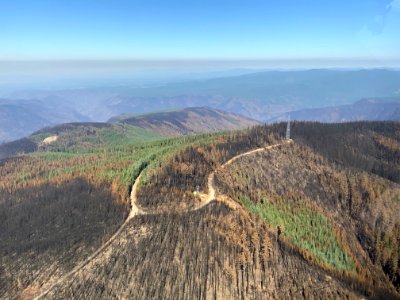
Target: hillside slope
{"x":306,"y":220}
{"x":148,"y":127}
{"x":189,"y":121}
{"x":305,"y":227}
{"x":75,"y":136}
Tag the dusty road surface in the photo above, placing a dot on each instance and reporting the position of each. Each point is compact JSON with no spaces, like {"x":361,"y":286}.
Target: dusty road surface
{"x":135,"y":210}
{"x":207,"y":198}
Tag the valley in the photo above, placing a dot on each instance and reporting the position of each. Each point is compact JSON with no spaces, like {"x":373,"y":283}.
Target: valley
{"x":262,"y":95}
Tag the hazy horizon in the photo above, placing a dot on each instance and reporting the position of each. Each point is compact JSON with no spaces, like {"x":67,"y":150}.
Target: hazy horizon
{"x":59,"y":74}
{"x":67,"y":44}
{"x":90,"y":60}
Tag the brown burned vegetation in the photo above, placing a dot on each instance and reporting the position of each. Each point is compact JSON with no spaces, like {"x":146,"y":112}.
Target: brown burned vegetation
{"x":212,"y":253}
{"x":57,"y":226}
{"x":54,"y":212}
{"x":333,"y":182}
{"x":369,"y":146}
{"x":363,"y":208}
{"x":57,"y":208}
{"x":172,"y":184}
{"x":218,"y":252}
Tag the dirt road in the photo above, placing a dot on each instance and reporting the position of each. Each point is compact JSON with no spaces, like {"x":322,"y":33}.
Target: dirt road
{"x":207,"y":198}
{"x":135,"y":210}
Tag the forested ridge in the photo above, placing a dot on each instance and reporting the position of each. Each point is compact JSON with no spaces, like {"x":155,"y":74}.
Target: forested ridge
{"x":58,"y":207}
{"x":317,"y":218}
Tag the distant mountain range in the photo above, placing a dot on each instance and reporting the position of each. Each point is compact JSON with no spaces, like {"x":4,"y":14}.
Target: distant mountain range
{"x":19,"y":118}
{"x":372,"y":109}
{"x":261,"y":96}
{"x":138,"y":128}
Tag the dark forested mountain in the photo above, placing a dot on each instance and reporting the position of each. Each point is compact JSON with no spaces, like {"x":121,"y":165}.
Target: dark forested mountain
{"x":313,"y":218}
{"x":372,"y":109}
{"x":260,"y":96}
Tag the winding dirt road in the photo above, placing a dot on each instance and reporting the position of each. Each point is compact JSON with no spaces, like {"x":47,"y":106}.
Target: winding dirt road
{"x":135,"y":210}
{"x":211,"y":196}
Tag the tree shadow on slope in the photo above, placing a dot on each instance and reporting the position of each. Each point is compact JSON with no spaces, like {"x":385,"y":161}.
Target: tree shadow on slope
{"x":46,"y":229}
{"x":370,"y":146}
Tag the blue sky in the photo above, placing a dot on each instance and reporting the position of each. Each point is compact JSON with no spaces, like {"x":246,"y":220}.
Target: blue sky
{"x":217,"y":29}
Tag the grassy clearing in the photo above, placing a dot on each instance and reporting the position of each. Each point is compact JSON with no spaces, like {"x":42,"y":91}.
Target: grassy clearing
{"x":306,"y":228}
